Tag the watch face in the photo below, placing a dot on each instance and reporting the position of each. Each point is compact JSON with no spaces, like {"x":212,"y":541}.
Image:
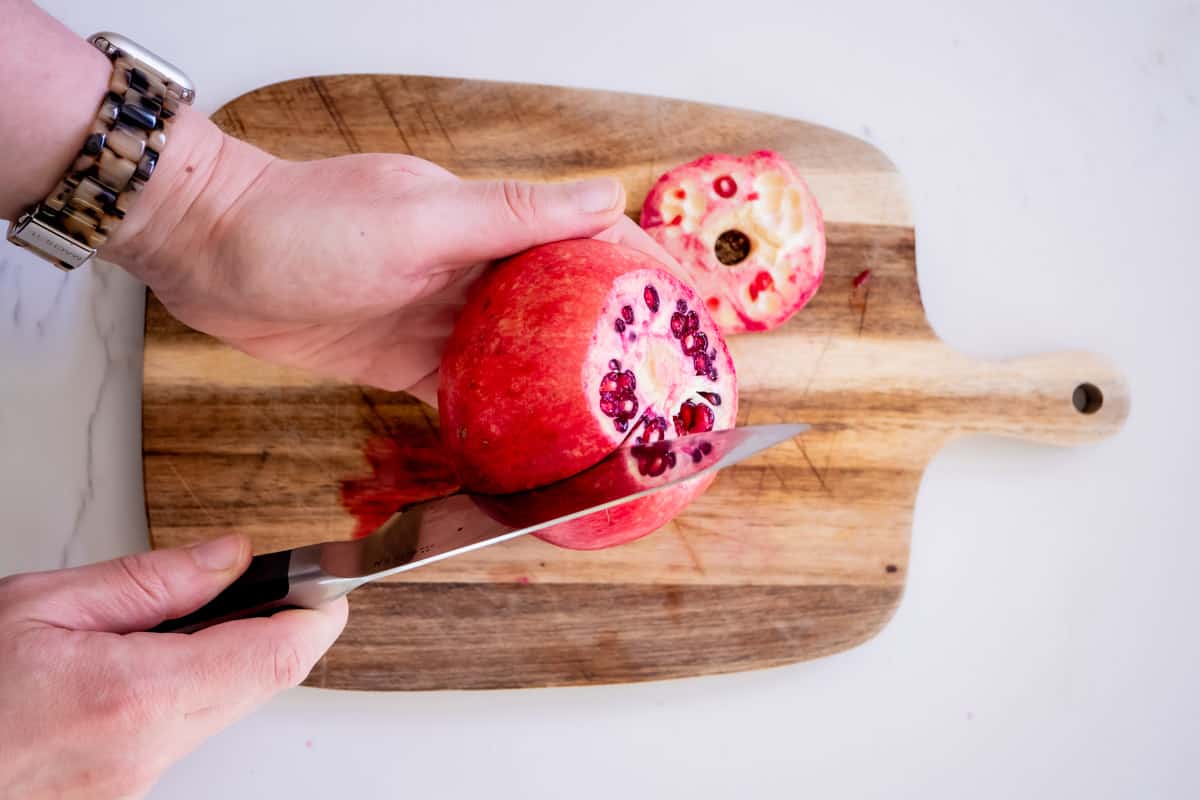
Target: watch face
{"x":111,"y":43}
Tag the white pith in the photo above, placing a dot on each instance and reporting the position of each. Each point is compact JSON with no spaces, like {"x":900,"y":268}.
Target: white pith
{"x":655,"y":357}
{"x":782,"y":223}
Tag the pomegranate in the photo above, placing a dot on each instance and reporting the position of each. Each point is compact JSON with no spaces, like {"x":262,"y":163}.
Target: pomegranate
{"x":747,"y":231}
{"x":565,"y":352}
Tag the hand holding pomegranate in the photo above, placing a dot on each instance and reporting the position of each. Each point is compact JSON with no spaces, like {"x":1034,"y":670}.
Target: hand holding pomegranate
{"x":353,"y":267}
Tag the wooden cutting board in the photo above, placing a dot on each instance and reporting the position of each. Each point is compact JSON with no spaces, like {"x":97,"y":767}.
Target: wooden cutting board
{"x":797,"y":553}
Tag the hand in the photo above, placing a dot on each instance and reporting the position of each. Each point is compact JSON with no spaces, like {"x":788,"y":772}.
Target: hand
{"x":353,"y":267}
{"x":91,"y":708}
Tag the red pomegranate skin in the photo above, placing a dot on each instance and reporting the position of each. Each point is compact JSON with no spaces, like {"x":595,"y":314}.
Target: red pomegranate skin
{"x":522,"y":395}
{"x":760,"y":197}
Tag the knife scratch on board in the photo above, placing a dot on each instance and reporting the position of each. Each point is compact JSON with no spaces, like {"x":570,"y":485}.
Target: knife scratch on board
{"x":687,"y":546}
{"x":816,"y":473}
{"x":188,"y":489}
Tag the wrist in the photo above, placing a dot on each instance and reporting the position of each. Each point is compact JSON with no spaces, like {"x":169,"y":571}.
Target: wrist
{"x":179,"y":213}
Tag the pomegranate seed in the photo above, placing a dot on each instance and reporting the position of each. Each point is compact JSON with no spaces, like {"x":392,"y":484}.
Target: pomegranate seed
{"x":706,"y":447}
{"x":614,"y":364}
{"x":678,"y":324}
{"x":700,"y":362}
{"x":652,"y":465}
{"x":621,"y":424}
{"x":680,"y":306}
{"x":680,"y":193}
{"x":711,"y":397}
{"x":702,"y":420}
{"x":712,"y":373}
{"x":627,"y":314}
{"x":627,"y":381}
{"x":676,"y":220}
{"x":762,"y":282}
{"x":629,"y":406}
{"x":696,"y":456}
{"x":650,"y":295}
{"x":610,"y":383}
{"x":609,"y":405}
{"x":670,"y":457}
{"x":725,"y":186}
{"x":693,"y":321}
{"x":619,"y":325}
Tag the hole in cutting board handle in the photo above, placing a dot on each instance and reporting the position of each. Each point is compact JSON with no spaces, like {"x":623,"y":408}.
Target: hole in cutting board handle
{"x":1087,"y":398}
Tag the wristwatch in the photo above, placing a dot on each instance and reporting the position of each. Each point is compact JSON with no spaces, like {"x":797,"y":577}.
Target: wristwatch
{"x":117,"y":159}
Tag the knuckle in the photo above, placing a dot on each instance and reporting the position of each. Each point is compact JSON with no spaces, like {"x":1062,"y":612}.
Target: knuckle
{"x":520,"y":201}
{"x":287,"y":667}
{"x":145,"y":575}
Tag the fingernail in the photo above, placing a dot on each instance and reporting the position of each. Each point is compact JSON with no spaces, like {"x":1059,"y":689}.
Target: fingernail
{"x":219,"y":554}
{"x":595,"y":195}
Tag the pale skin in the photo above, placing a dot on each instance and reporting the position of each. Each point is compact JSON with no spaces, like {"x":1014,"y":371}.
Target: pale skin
{"x":351,"y":267}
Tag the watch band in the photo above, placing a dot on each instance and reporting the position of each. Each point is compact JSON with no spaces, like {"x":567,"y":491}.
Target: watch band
{"x":118,"y":157}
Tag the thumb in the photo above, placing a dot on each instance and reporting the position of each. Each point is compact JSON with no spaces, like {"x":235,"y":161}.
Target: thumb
{"x":463,"y":222}
{"x":136,"y":592}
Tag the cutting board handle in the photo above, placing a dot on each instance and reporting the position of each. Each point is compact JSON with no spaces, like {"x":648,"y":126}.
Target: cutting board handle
{"x":1060,"y":398}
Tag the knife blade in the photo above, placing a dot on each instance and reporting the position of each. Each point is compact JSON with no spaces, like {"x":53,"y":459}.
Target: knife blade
{"x":427,"y":532}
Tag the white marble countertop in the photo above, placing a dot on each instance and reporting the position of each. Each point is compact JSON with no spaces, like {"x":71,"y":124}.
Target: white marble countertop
{"x":1046,"y":644}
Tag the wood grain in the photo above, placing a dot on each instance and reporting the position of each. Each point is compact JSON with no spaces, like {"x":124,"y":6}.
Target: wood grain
{"x":797,"y":553}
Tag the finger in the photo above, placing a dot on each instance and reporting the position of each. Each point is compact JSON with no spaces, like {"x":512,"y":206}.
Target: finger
{"x":425,"y":389}
{"x":628,"y":233}
{"x":461,"y":222}
{"x":239,"y":665}
{"x":135,"y":593}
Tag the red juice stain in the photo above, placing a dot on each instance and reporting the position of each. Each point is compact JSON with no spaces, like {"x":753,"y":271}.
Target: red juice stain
{"x":523,"y":580}
{"x":862,"y":278}
{"x":408,"y":465}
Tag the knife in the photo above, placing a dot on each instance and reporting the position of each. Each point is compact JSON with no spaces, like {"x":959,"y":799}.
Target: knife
{"x":420,"y":534}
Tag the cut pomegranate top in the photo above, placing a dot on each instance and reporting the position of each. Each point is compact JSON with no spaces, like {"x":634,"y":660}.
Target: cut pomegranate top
{"x":565,"y":351}
{"x":747,"y":231}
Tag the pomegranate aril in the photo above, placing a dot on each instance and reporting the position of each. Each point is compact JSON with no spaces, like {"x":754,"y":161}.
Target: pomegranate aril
{"x":621,"y":424}
{"x":684,"y":419}
{"x":670,"y":457}
{"x":725,"y":186}
{"x":619,"y":325}
{"x":680,"y":306}
{"x":762,"y":282}
{"x":650,"y":295}
{"x":706,"y":447}
{"x":627,"y":314}
{"x":611,"y":381}
{"x":628,"y":406}
{"x":696,"y":456}
{"x":711,"y":397}
{"x":693,"y":343}
{"x":712,"y":373}
{"x":627,"y":381}
{"x":693,"y":322}
{"x":678,"y":324}
{"x":700,"y":362}
{"x":614,"y":364}
{"x":610,"y":405}
{"x":702,"y":419}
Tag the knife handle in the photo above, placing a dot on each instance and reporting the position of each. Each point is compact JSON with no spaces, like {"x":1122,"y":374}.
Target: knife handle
{"x":257,"y":592}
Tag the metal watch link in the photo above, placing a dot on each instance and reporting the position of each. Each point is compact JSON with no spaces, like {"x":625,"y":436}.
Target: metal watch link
{"x":118,"y":157}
